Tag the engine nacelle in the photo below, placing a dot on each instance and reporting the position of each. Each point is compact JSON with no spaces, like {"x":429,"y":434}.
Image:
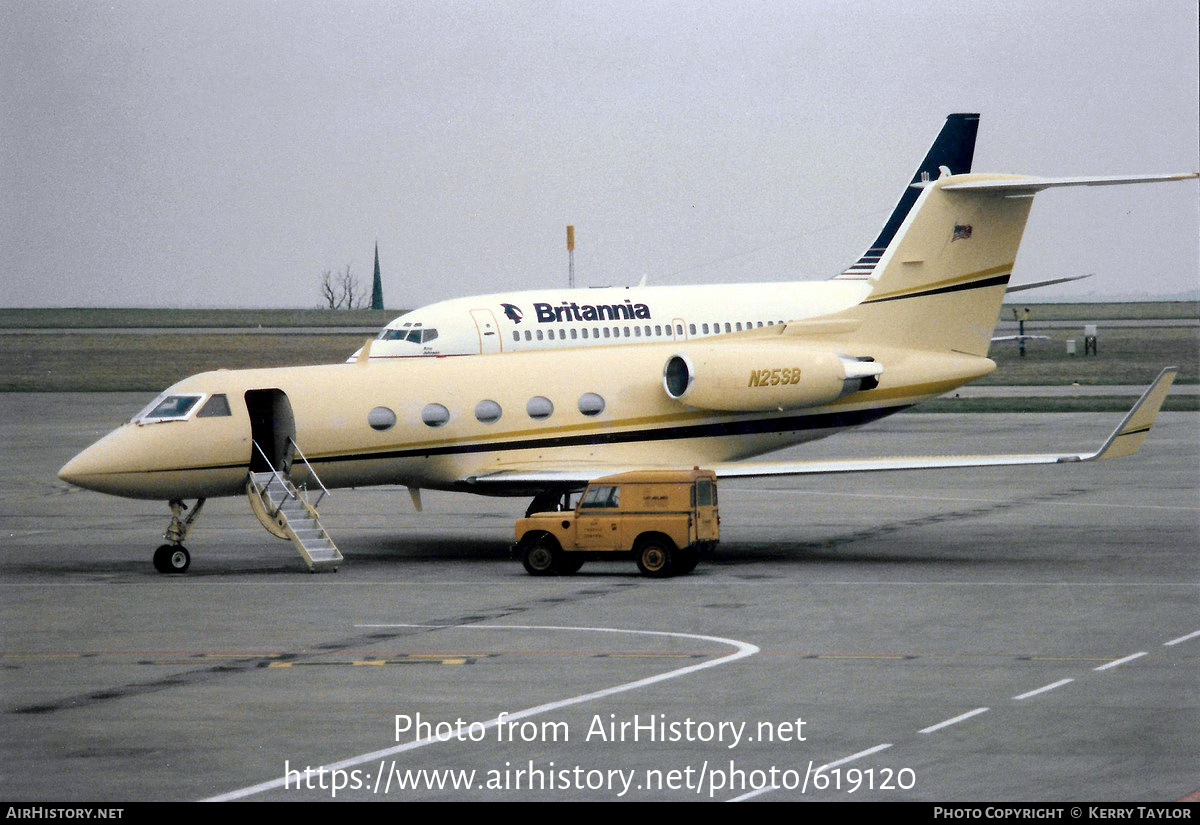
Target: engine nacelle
{"x":752,"y":377}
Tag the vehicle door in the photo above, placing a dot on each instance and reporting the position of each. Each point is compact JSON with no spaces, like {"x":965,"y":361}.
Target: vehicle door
{"x":598,"y":518}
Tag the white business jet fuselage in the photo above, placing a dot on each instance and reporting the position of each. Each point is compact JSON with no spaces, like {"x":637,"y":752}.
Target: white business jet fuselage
{"x":551,"y":319}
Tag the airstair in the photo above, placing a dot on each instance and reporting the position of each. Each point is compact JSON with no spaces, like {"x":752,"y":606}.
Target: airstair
{"x":284,"y":509}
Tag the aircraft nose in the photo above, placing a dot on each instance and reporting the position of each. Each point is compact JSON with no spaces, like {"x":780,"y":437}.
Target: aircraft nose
{"x":102,"y":466}
{"x":86,"y":469}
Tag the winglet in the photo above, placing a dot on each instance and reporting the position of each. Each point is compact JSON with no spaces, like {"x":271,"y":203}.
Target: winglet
{"x":1127,"y":438}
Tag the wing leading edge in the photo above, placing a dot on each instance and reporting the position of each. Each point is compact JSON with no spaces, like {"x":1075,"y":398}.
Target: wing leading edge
{"x":1125,"y":440}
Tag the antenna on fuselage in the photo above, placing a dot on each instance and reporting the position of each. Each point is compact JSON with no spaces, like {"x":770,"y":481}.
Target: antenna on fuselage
{"x":570,"y":256}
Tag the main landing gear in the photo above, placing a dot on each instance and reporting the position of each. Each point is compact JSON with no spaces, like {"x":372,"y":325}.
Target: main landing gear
{"x":173,"y":557}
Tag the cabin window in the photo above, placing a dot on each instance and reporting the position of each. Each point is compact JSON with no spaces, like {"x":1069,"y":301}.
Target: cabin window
{"x":606,"y":332}
{"x":679,"y":330}
{"x":591,"y":404}
{"x":658,"y":329}
{"x":574,"y":333}
{"x":637,"y":332}
{"x":528,"y":335}
{"x":691,"y":329}
{"x":435,"y":415}
{"x":516,"y":335}
{"x":539,"y":408}
{"x":704,"y":328}
{"x":539,"y":335}
{"x":739,"y":326}
{"x":488,"y":412}
{"x":381,"y":418}
{"x":215,"y":407}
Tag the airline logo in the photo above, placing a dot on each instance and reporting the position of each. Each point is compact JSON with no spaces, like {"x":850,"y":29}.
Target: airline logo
{"x":512,"y":313}
{"x":570,"y":311}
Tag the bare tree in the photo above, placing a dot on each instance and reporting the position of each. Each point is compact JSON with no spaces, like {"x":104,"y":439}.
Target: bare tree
{"x":342,"y":291}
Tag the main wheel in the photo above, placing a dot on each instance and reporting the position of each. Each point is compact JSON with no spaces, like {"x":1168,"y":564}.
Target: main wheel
{"x":541,"y":556}
{"x":656,"y":557}
{"x":569,"y":563}
{"x":172,"y":558}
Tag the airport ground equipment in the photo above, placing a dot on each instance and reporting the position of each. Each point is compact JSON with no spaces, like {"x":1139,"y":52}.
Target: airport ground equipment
{"x":663,"y":519}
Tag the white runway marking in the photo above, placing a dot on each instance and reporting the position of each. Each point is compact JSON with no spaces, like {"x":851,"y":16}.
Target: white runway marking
{"x":1128,"y":658}
{"x":855,"y":756}
{"x":955,"y":720}
{"x":834,"y":764}
{"x":1181,"y":639}
{"x":742,"y":650}
{"x":1043,"y":689}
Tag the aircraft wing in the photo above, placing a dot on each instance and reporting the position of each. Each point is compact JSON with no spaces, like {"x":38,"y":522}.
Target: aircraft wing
{"x":1125,"y":440}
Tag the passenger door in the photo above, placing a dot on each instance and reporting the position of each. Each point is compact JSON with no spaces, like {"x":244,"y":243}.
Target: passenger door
{"x":488,"y":329}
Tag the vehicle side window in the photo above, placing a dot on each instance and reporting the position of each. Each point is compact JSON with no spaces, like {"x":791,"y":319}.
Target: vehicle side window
{"x":706,"y":494}
{"x":601,"y":497}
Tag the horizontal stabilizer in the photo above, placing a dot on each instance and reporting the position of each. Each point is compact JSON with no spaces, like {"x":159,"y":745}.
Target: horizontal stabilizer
{"x":1030,"y":186}
{"x":1051,"y":282}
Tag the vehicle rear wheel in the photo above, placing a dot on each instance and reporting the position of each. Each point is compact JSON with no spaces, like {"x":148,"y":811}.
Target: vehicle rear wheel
{"x":541,"y":557}
{"x":656,"y":557}
{"x":686,"y":563}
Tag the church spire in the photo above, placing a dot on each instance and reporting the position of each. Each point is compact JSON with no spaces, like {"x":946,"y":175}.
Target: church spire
{"x":377,"y":286}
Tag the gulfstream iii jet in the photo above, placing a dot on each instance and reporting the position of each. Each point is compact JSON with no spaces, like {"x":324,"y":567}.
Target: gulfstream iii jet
{"x":559,"y":318}
{"x":528,"y":423}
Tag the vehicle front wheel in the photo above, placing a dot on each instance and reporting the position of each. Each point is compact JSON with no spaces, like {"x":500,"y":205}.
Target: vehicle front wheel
{"x":569,"y":563}
{"x":541,"y":556}
{"x":656,"y":558}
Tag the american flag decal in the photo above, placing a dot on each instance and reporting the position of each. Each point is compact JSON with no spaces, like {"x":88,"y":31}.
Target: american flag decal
{"x":962,"y":231}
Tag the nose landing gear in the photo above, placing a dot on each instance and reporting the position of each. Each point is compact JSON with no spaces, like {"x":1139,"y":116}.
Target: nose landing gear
{"x":173,"y":557}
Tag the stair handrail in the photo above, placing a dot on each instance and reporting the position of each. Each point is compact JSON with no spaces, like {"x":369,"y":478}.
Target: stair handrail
{"x":282,"y":483}
{"x":312,"y":471}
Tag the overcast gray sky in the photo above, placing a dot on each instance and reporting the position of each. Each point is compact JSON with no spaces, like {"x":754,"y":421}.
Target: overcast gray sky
{"x":222,"y":154}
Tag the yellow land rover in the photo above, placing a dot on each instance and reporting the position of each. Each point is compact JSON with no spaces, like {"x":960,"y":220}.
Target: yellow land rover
{"x":662,"y":518}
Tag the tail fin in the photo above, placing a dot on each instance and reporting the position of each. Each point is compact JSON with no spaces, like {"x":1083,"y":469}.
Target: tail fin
{"x":954,"y":149}
{"x":940,"y":284}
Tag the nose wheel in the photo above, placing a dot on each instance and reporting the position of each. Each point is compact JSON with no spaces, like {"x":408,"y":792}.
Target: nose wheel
{"x":172,"y":558}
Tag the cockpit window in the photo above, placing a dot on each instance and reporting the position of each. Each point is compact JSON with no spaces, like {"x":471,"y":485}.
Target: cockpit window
{"x":170,"y":407}
{"x":216,"y":406}
{"x":409,"y":332}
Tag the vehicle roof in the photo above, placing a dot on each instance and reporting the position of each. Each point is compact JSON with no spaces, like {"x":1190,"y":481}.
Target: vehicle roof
{"x":657,"y":476}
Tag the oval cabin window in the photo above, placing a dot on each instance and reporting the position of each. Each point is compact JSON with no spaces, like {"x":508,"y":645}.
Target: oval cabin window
{"x":435,"y":415}
{"x":591,"y":404}
{"x":488,"y":412}
{"x":539,"y":407}
{"x":381,"y":418}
